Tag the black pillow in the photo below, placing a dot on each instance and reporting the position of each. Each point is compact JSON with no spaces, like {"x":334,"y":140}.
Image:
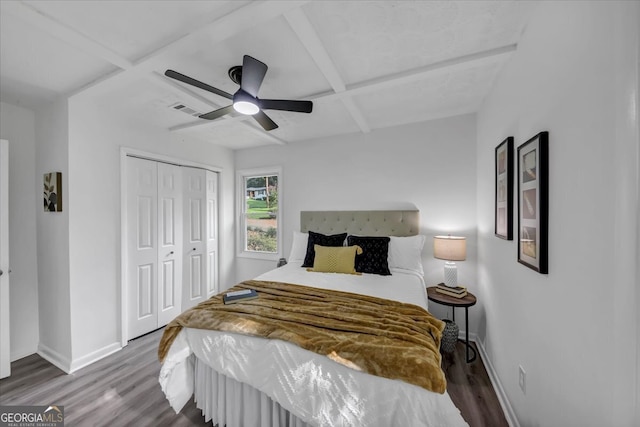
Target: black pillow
{"x":322,"y":240}
{"x":374,"y":257}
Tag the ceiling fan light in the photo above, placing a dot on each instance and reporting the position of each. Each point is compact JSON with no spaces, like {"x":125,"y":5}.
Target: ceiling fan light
{"x":244,"y":103}
{"x":246,"y":107}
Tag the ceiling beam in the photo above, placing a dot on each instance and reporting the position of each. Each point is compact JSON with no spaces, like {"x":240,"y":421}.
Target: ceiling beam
{"x":232,"y":12}
{"x":235,"y":22}
{"x":65,"y":33}
{"x":447,"y":66}
{"x":207,"y":123}
{"x":262,"y":133}
{"x":355,"y":113}
{"x":300,"y":25}
{"x":225,"y":120}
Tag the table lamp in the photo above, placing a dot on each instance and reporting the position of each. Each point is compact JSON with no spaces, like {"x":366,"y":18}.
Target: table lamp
{"x":450,"y":248}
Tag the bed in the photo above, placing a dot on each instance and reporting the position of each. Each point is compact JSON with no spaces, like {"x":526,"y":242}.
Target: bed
{"x":241,"y":379}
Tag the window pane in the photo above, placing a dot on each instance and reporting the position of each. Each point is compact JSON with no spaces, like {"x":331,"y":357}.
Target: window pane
{"x":261,"y":194}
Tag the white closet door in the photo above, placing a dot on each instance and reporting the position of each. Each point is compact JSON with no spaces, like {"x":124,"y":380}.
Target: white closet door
{"x":195,"y":263}
{"x":169,"y":243}
{"x":172,"y":244}
{"x":142,"y":246}
{"x":212,"y":232}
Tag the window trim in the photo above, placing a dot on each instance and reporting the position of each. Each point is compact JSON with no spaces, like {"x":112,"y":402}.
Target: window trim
{"x":240,"y":212}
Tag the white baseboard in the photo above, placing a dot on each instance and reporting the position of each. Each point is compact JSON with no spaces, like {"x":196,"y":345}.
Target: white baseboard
{"x":70,"y":366}
{"x":54,"y":358}
{"x":509,"y":414}
{"x":90,"y":358}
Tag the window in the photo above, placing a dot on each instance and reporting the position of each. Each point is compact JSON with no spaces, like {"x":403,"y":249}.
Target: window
{"x":259,"y":203}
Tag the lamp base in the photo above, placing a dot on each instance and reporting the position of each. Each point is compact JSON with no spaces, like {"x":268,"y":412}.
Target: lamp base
{"x":450,"y":274}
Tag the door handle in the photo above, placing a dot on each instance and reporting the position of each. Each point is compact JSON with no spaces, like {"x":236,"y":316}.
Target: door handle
{"x":170,"y":253}
{"x":1,"y":272}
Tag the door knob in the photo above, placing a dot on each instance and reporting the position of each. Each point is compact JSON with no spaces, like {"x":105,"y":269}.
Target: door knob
{"x":1,"y":272}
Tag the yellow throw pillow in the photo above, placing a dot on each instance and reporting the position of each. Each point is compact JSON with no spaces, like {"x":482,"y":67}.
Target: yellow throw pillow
{"x":331,"y":259}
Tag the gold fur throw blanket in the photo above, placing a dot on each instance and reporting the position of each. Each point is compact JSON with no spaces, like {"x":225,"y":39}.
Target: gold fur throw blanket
{"x":381,"y":337}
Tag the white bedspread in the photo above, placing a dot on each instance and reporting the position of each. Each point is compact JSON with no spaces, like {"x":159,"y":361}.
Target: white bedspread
{"x":400,"y":286}
{"x":311,"y":386}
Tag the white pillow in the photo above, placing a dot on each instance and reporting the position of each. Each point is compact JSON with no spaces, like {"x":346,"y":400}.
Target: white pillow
{"x":405,"y":253}
{"x":298,"y":247}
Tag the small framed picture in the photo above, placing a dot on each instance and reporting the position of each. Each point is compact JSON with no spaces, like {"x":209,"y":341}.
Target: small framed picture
{"x":504,"y":190}
{"x":53,"y":192}
{"x":533,"y":201}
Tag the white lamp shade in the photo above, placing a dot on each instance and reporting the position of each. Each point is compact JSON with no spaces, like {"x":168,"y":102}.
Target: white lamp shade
{"x":450,"y":248}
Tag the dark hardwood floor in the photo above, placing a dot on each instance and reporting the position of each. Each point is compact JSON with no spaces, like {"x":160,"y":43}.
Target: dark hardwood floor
{"x":123,"y":389}
{"x":471,"y":390}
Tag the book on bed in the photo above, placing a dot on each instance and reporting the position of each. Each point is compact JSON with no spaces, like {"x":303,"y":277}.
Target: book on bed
{"x":237,"y":296}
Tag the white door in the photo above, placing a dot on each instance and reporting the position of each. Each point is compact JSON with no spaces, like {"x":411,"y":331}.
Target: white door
{"x":169,"y":243}
{"x":154,"y":244}
{"x":212,"y":232}
{"x":142,"y":246}
{"x":195,"y":238}
{"x":5,"y":336}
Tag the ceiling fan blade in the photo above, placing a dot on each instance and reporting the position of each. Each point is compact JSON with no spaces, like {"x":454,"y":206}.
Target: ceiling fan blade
{"x":253,"y":72}
{"x":212,"y":115}
{"x":286,"y":105}
{"x":265,"y":121}
{"x":193,"y":82}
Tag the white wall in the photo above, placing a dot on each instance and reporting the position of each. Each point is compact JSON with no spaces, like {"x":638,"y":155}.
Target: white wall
{"x":52,"y":155}
{"x":626,"y":175}
{"x":95,"y":138}
{"x":17,"y":125}
{"x":430,"y":165}
{"x":569,"y":329}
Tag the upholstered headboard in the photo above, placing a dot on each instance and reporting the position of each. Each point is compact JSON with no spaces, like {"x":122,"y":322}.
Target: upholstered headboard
{"x":363,"y":223}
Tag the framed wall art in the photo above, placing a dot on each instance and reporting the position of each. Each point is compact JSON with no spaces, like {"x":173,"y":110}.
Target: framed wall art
{"x":533,"y":201}
{"x":504,"y":189}
{"x":53,"y":192}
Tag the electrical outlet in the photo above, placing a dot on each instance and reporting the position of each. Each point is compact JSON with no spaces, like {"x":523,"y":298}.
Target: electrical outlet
{"x":522,"y":379}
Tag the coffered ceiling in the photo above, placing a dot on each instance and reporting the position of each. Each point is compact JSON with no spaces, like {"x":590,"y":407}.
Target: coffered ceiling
{"x":364,"y":64}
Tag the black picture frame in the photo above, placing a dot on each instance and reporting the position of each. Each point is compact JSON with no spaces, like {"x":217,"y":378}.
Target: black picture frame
{"x":503,"y":200}
{"x":533,"y":203}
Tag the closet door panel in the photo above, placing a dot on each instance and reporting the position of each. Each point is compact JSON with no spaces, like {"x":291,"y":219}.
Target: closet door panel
{"x":170,"y":242}
{"x":145,"y":291}
{"x":195,"y":266}
{"x":195,"y":277}
{"x":142,"y":246}
{"x":212,"y":232}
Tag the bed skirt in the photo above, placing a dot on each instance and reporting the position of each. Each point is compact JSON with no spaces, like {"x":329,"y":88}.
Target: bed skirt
{"x":226,"y":401}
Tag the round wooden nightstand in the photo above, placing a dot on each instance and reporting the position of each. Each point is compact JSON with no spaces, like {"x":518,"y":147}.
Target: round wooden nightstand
{"x":466,"y":302}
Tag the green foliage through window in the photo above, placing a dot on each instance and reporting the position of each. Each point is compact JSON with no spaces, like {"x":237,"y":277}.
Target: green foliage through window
{"x":261,"y":211}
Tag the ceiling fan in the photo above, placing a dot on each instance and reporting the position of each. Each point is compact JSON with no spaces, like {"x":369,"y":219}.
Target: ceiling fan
{"x":249,"y":76}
